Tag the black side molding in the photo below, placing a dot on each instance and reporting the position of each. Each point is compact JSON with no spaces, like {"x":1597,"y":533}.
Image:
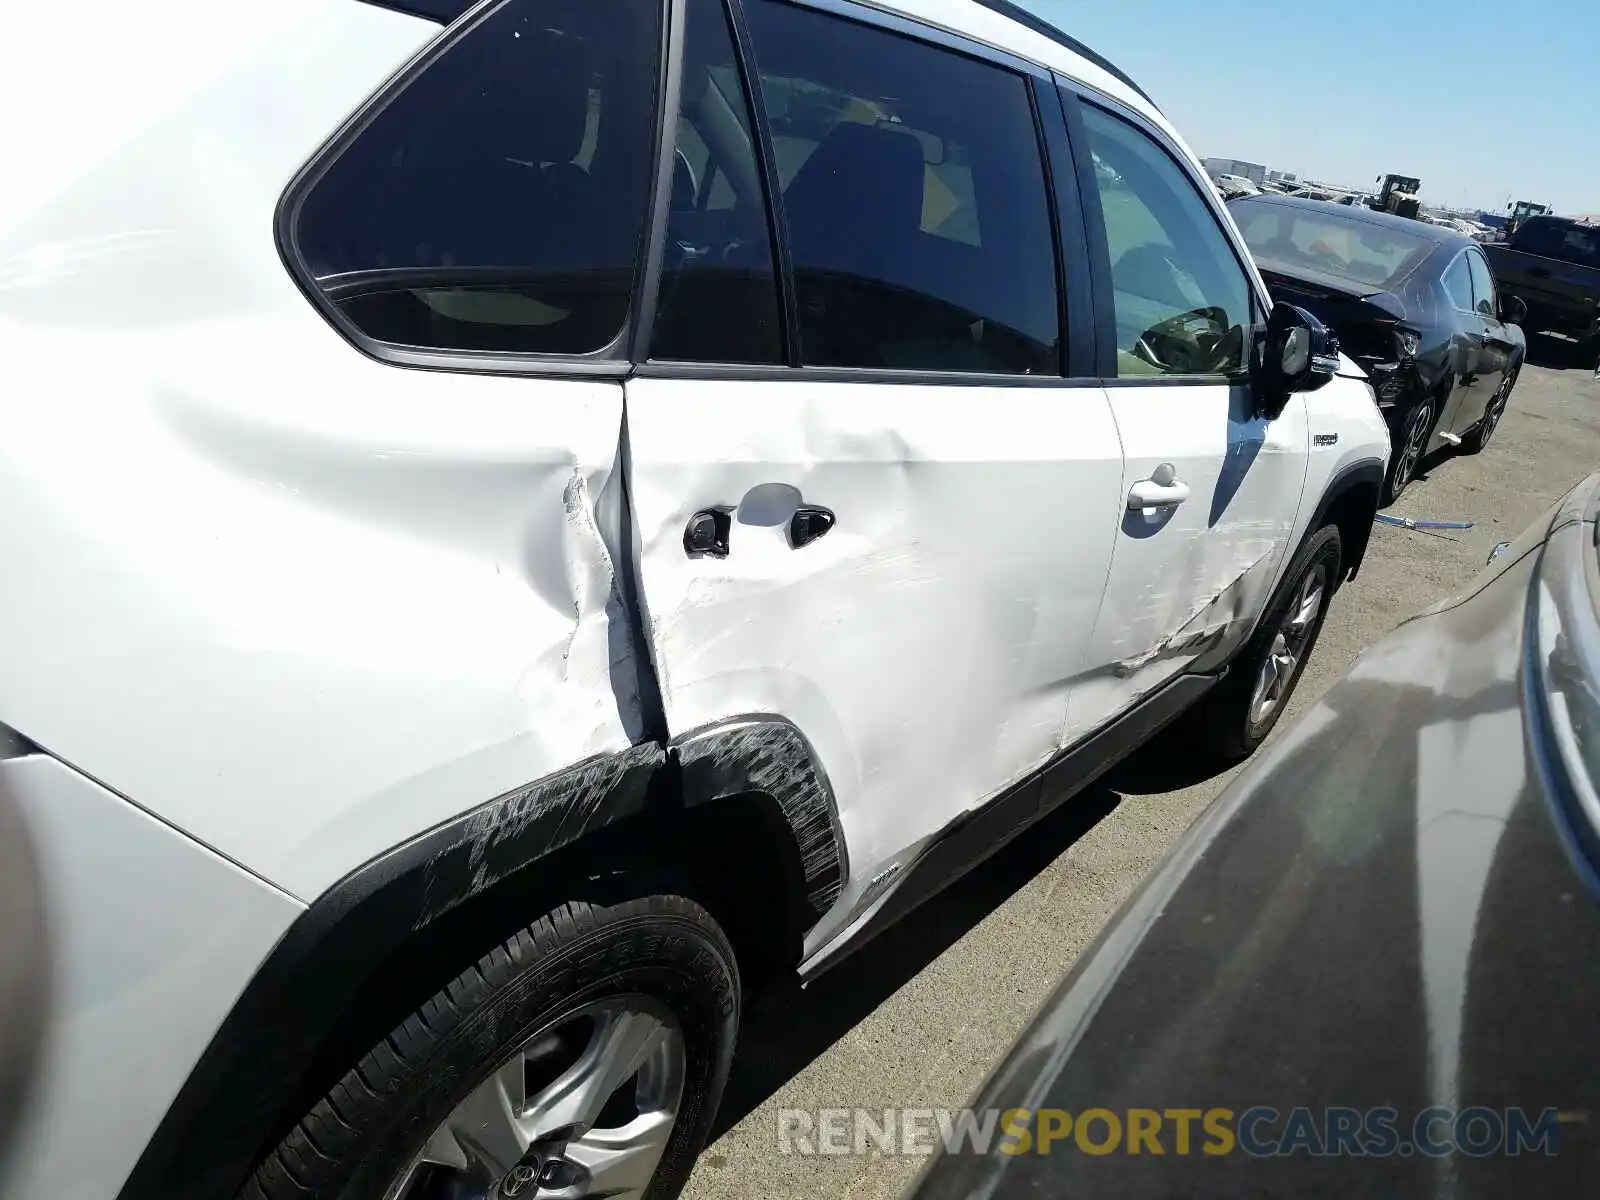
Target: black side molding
{"x":974,"y":836}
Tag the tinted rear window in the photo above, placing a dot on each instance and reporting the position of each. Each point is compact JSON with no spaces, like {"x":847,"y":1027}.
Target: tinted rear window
{"x":1291,"y":239}
{"x":498,"y":201}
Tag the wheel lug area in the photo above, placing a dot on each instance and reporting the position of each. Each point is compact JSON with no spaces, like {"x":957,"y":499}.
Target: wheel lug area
{"x":560,"y":1173}
{"x":541,"y":1169}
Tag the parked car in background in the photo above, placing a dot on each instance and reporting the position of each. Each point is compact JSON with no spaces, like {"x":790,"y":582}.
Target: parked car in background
{"x":1370,"y":967}
{"x":1553,"y":263}
{"x":1472,"y":229}
{"x":487,"y":585}
{"x":1414,"y":304}
{"x":1237,"y":185}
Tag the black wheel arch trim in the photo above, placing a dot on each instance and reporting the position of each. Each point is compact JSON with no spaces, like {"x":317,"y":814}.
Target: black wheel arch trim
{"x":1362,"y":473}
{"x":769,"y":755}
{"x":235,"y":1101}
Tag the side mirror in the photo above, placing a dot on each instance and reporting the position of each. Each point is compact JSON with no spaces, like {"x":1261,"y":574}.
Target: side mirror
{"x":1512,"y":310}
{"x":1298,"y":353}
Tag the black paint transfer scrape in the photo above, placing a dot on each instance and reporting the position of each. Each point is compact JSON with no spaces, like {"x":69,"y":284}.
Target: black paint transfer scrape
{"x":534,"y":821}
{"x":771,"y":756}
{"x":234,"y":1101}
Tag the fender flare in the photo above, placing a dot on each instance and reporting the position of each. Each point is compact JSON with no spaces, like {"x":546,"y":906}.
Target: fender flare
{"x":235,"y":1100}
{"x":1366,"y":472}
{"x":769,"y":755}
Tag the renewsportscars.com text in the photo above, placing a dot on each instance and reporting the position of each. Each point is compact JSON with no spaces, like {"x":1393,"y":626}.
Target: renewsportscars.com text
{"x":1258,"y":1132}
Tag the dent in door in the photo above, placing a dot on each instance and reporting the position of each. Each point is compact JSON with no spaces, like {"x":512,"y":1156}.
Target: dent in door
{"x":1213,"y":578}
{"x":926,"y":643}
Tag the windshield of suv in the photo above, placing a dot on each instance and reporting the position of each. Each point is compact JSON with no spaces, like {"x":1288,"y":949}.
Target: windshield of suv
{"x":1566,"y":240}
{"x":1291,"y":239}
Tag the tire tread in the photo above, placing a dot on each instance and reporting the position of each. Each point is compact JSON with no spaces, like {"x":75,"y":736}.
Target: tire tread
{"x":316,"y":1153}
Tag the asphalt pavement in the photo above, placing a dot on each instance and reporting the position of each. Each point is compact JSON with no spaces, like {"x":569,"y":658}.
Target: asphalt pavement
{"x":920,"y":1017}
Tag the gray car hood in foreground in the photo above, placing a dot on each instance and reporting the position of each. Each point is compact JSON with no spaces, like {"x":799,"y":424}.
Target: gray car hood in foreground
{"x":1384,"y":910}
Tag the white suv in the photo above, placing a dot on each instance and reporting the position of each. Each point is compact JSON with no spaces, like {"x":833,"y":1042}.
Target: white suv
{"x":520,"y":521}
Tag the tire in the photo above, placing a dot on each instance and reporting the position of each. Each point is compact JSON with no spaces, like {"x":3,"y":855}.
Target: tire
{"x":1476,"y":438}
{"x":1410,"y":448}
{"x":1224,"y":724}
{"x":557,"y":1009}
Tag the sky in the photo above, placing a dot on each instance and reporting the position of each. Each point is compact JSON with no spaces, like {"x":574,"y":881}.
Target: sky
{"x":1484,"y":103}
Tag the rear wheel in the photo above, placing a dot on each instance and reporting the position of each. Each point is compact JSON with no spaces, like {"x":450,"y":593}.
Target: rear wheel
{"x":1478,"y":436}
{"x":1409,"y":450}
{"x":583,"y":1057}
{"x":1240,"y":711}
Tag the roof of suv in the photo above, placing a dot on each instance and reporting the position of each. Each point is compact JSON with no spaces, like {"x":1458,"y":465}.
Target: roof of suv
{"x":970,"y":18}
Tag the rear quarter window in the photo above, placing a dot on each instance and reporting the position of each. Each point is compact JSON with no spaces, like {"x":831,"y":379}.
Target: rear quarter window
{"x":496,"y":200}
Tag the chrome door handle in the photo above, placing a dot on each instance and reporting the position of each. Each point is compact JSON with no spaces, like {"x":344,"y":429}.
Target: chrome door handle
{"x":1161,"y":490}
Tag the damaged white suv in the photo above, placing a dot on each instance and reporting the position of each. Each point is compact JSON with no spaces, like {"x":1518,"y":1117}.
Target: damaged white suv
{"x":520,"y":521}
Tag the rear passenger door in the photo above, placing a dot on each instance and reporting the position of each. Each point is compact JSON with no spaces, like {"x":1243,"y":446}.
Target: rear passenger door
{"x":1210,"y":489}
{"x":866,"y":497}
{"x":1494,"y":355}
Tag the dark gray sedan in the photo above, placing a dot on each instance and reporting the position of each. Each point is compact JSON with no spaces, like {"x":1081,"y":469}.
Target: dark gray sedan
{"x":1414,"y":304}
{"x":1372,"y":967}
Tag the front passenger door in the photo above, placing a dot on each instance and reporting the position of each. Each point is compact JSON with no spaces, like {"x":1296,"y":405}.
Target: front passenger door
{"x":1211,"y":490}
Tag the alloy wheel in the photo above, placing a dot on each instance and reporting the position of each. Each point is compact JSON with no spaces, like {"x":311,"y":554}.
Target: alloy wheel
{"x":1289,"y":644}
{"x":584,"y":1107}
{"x":1497,"y":409}
{"x":1405,"y":466}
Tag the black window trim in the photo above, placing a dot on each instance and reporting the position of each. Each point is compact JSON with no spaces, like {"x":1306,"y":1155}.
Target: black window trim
{"x":1074,"y":295}
{"x":672,"y":368}
{"x":1103,"y":329}
{"x":771,"y":193}
{"x":1461,"y":257}
{"x":636,"y":333}
{"x":1078,"y":290}
{"x":767,"y":163}
{"x":1068,"y":267}
{"x":1074,"y":94}
{"x":610,"y":361}
{"x":1494,"y":300}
